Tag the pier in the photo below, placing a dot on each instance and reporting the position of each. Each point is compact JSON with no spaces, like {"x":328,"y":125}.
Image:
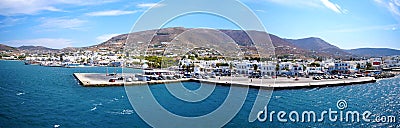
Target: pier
{"x":102,"y":80}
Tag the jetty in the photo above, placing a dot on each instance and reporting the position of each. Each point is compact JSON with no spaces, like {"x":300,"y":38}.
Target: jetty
{"x":103,"y":80}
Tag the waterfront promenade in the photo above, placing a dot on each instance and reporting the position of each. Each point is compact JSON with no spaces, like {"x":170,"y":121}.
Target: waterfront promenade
{"x":101,"y":79}
{"x":282,"y":82}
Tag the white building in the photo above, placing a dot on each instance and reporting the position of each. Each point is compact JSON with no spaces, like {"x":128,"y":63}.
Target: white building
{"x":246,"y":67}
{"x":314,"y":70}
{"x":376,"y":63}
{"x":340,"y":67}
{"x":297,"y":70}
{"x":268,"y":69}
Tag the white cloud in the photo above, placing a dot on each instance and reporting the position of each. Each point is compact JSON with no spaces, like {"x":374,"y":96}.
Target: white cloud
{"x":105,"y":37}
{"x":32,"y":7}
{"x":311,"y":3}
{"x":110,"y":13}
{"x":149,"y":5}
{"x":392,"y":5}
{"x":394,"y":8}
{"x":391,"y":27}
{"x":61,"y":23}
{"x":46,"y":42}
{"x":334,"y":7}
{"x":260,"y":10}
{"x":308,"y":3}
{"x":9,"y":22}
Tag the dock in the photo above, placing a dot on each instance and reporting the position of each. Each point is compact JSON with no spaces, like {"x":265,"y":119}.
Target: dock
{"x":285,"y":83}
{"x":102,"y":80}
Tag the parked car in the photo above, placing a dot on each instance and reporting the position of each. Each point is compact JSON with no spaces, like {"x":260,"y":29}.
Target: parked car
{"x":112,"y":80}
{"x":316,"y":78}
{"x":267,"y":77}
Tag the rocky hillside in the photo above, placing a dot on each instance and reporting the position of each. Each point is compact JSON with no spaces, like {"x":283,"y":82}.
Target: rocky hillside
{"x":7,"y":48}
{"x":156,"y":41}
{"x":139,"y":41}
{"x":318,"y":45}
{"x":374,"y":52}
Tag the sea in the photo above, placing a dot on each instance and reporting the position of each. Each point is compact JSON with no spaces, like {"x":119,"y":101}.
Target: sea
{"x":37,"y":96}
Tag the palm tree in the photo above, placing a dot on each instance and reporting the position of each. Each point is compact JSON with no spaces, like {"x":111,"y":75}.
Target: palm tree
{"x":276,"y":69}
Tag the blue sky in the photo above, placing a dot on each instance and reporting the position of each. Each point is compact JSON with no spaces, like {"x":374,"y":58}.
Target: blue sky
{"x":75,"y":23}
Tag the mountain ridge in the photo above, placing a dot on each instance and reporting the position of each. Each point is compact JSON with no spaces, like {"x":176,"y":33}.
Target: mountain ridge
{"x":299,"y":48}
{"x":374,"y":52}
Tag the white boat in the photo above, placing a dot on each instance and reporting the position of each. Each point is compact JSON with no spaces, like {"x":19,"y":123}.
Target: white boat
{"x":76,"y":65}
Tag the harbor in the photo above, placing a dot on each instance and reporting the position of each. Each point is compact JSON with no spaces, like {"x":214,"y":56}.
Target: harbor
{"x":47,"y":94}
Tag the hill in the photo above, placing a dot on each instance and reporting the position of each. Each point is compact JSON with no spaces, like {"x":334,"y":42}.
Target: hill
{"x":139,"y":41}
{"x":374,"y":52}
{"x":156,"y":42}
{"x":318,"y":45}
{"x":37,"y":49}
{"x":7,"y":48}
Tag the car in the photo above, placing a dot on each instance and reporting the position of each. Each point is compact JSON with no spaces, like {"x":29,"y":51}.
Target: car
{"x":129,"y":79}
{"x":112,"y":80}
{"x":213,"y":76}
{"x":267,"y":77}
{"x":316,"y":78}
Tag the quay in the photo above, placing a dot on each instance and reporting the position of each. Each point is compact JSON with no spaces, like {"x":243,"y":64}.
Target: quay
{"x":102,"y":80}
{"x":284,"y":83}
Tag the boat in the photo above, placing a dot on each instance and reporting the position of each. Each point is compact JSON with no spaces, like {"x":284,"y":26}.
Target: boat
{"x":32,"y":62}
{"x":76,"y":65}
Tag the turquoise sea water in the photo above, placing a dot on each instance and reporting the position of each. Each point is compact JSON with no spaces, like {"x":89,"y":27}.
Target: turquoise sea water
{"x":36,"y":96}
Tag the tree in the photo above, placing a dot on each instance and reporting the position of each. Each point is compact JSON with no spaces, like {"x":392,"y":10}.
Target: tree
{"x":184,"y":66}
{"x":369,"y":66}
{"x":314,"y":64}
{"x":62,"y":57}
{"x":222,"y":64}
{"x":21,"y":57}
{"x":255,"y":66}
{"x":277,"y":67}
{"x":358,"y":66}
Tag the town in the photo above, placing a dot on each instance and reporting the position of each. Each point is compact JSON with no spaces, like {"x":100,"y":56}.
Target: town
{"x":198,"y":64}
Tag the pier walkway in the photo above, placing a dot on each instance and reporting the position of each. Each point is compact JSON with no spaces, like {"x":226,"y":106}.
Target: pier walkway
{"x":101,"y":79}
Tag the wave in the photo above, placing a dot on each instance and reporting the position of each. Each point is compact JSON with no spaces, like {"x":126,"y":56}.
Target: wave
{"x":20,"y":93}
{"x":99,"y":104}
{"x":123,"y":112}
{"x":93,"y":108}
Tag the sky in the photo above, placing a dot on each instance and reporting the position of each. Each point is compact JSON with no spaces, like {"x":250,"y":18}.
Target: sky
{"x":347,"y":24}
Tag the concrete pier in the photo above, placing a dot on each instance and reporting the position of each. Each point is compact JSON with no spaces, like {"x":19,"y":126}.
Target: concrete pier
{"x":101,"y":80}
{"x":285,"y":83}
